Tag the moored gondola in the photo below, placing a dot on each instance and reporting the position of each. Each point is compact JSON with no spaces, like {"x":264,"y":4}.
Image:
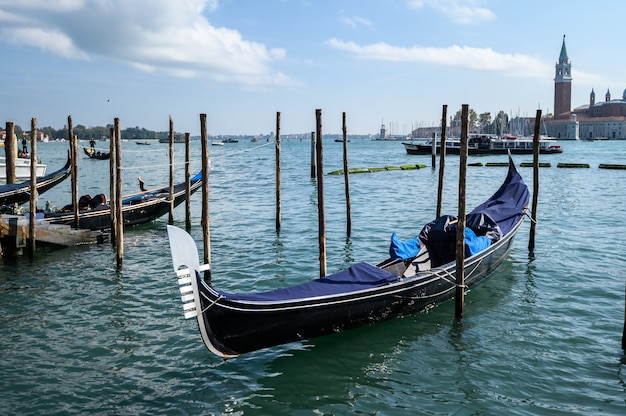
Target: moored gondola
{"x":19,"y":193}
{"x":137,"y":209}
{"x":232,"y":324}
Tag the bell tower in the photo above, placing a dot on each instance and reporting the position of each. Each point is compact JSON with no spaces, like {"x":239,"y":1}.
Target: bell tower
{"x":563,"y":83}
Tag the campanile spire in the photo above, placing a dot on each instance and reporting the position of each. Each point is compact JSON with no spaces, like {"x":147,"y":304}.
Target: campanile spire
{"x":563,"y":83}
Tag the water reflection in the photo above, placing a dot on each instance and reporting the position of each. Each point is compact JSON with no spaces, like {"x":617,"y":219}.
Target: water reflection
{"x":348,"y":253}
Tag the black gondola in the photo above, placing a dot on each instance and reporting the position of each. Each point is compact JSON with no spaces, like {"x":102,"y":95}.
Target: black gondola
{"x":96,"y":154}
{"x":233,"y":324}
{"x":20,"y":192}
{"x":137,"y":209}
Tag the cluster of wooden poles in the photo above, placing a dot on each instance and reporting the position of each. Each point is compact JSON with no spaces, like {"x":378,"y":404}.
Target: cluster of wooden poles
{"x":316,"y":149}
{"x":10,"y":145}
{"x":115,"y":172}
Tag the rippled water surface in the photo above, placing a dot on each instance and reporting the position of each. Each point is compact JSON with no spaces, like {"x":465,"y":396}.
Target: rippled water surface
{"x":541,"y":336}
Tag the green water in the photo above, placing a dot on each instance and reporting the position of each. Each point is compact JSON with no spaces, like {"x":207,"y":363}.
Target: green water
{"x":542,"y":336}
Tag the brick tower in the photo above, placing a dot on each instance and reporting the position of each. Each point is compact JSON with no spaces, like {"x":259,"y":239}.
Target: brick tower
{"x":563,"y":84}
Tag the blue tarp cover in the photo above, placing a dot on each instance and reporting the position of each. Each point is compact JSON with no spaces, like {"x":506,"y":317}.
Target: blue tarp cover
{"x":357,"y":277}
{"x":474,"y":243}
{"x":506,"y":206}
{"x":440,"y":236}
{"x":403,"y":250}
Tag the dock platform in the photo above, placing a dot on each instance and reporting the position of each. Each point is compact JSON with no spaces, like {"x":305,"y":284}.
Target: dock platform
{"x":14,"y":232}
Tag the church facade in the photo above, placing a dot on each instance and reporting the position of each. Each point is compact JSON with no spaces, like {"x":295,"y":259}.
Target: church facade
{"x":595,"y":120}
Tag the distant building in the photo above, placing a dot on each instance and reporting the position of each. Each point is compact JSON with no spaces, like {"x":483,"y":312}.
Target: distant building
{"x":563,"y":84}
{"x":604,"y":119}
{"x":41,"y":136}
{"x":451,"y":131}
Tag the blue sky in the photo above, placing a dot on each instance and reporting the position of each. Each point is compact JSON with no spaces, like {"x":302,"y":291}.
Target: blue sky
{"x":241,"y":61}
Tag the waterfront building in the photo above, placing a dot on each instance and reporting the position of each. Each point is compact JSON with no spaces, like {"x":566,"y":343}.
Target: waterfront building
{"x":595,"y":120}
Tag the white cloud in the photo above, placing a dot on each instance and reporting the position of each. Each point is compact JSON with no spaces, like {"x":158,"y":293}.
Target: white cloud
{"x":356,"y":21}
{"x":459,"y":11}
{"x":51,"y":41}
{"x":478,"y":59}
{"x":171,"y":37}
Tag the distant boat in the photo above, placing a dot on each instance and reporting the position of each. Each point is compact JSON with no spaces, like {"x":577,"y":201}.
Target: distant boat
{"x":143,"y":143}
{"x":96,"y":154}
{"x":22,"y":168}
{"x":230,"y":140}
{"x":217,"y":143}
{"x":485,"y":144}
{"x":176,"y":140}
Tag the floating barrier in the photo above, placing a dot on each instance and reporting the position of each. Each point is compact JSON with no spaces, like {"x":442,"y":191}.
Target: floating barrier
{"x":530,"y":164}
{"x":611,"y":166}
{"x":490,"y":164}
{"x":572,"y":165}
{"x":378,"y":169}
{"x":409,"y":167}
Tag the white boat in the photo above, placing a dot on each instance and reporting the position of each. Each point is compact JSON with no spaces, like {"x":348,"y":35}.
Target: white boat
{"x":22,"y":169}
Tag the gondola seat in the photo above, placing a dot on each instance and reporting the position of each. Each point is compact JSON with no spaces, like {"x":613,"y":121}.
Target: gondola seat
{"x":420,"y":263}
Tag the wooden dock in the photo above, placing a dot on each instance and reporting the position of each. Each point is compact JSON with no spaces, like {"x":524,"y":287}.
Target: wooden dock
{"x":14,"y":234}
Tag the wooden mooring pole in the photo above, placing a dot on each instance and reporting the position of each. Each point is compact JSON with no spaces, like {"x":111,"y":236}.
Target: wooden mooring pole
{"x":533,"y":210}
{"x":442,"y":160}
{"x":187,"y":183}
{"x":346,"y":177}
{"x":10,"y":151}
{"x":206,"y":229}
{"x":460,"y":227}
{"x":320,"y":193}
{"x":313,"y":146}
{"x":624,"y":330}
{"x":74,"y":157}
{"x":112,"y":185}
{"x":170,"y":217}
{"x":278,"y":196}
{"x":119,"y":232}
{"x":33,"y":186}
{"x":433,"y":152}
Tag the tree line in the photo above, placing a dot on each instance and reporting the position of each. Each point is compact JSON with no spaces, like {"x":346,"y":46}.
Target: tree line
{"x":500,"y":125}
{"x":96,"y":133}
